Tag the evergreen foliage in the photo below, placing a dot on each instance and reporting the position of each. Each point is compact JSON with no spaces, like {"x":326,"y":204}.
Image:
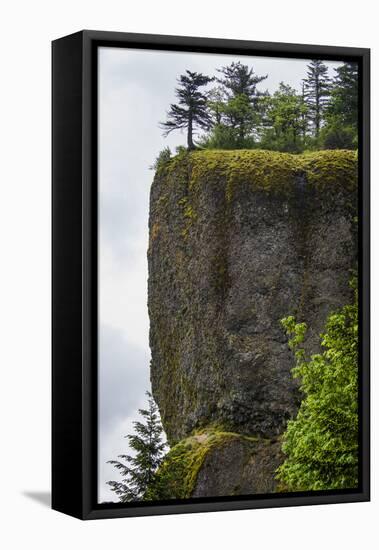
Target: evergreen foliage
{"x":285,"y":120}
{"x":236,"y":114}
{"x":191,"y":111}
{"x":335,"y":135}
{"x":321,"y":443}
{"x":237,"y":129}
{"x":138,"y":471}
{"x":163,"y":157}
{"x":317,"y":87}
{"x":344,"y":95}
{"x":215,"y":100}
{"x":341,"y":130}
{"x":237,"y":79}
{"x":239,"y":116}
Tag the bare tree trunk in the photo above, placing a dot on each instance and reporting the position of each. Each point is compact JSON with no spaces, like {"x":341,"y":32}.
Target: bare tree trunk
{"x":317,"y":118}
{"x":190,"y":143}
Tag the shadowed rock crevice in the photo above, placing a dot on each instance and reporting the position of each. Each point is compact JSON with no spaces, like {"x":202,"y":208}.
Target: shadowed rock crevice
{"x":239,"y":240}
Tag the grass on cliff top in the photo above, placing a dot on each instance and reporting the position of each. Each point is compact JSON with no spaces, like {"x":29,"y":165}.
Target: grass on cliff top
{"x":176,"y":477}
{"x":269,"y":170}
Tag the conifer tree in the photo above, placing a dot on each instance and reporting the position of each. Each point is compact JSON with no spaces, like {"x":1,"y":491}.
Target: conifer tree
{"x":138,"y":471}
{"x":317,"y":93}
{"x":237,"y":79}
{"x":341,"y":128}
{"x":304,"y":117}
{"x":191,"y":111}
{"x":344,"y":96}
{"x":284,"y":120}
{"x":240,"y":113}
{"x":215,"y":99}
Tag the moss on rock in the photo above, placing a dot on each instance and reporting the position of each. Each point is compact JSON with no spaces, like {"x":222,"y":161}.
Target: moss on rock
{"x":177,"y":476}
{"x":238,"y":240}
{"x":334,"y":169}
{"x":268,"y":170}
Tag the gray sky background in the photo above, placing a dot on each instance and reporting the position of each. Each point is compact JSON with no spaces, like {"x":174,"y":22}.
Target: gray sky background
{"x":136,"y":88}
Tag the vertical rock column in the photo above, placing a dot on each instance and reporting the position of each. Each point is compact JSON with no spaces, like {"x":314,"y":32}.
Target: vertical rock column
{"x":239,"y":240}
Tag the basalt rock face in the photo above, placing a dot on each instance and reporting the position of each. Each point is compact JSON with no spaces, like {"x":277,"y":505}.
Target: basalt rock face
{"x":239,"y":467}
{"x":239,"y":240}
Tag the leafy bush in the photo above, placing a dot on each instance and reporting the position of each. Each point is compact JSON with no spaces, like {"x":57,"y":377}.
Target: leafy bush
{"x":283,"y":142}
{"x":226,"y":137}
{"x":321,"y":444}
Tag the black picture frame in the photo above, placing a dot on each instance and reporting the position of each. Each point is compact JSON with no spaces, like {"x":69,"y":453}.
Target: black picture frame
{"x":74,"y":272}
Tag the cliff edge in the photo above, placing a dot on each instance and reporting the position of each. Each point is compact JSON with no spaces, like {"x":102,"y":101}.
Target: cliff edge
{"x":239,"y":240}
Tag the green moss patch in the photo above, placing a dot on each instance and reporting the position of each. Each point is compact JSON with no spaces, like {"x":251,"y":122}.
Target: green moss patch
{"x":326,"y":169}
{"x":268,"y":170}
{"x":177,"y":476}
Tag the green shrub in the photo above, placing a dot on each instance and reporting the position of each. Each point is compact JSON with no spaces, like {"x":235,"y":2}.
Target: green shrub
{"x":163,"y":157}
{"x":225,"y":137}
{"x":321,"y":443}
{"x":338,"y":136}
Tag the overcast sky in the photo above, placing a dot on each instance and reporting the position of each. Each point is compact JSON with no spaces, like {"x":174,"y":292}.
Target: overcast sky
{"x":136,"y":88}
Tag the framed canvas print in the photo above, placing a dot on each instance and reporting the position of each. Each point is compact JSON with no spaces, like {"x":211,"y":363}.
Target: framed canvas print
{"x":210,"y":275}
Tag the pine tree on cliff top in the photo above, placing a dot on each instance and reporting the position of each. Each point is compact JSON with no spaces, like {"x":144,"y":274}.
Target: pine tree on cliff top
{"x":237,"y":79}
{"x":138,"y":471}
{"x":241,"y":107}
{"x":192,"y":110}
{"x":317,"y":86}
{"x":344,"y":96}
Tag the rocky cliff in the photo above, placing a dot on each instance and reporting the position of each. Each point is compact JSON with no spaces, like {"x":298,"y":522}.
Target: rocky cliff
{"x":239,"y":240}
